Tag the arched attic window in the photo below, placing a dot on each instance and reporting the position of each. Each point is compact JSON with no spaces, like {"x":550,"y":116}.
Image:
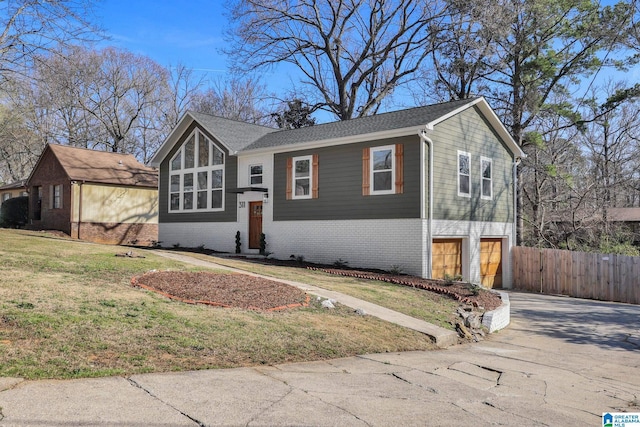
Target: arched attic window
{"x":196,"y":176}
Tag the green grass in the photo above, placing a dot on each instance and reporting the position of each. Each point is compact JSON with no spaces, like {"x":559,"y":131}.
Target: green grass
{"x":413,"y":302}
{"x":68,"y":310}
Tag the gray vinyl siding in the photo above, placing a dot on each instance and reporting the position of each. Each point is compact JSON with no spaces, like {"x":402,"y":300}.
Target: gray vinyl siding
{"x":469,"y":132}
{"x":230,"y":181}
{"x":340,"y":185}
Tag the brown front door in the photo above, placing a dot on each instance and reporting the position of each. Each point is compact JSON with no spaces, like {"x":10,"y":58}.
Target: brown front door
{"x":491,"y":263}
{"x":255,"y":224}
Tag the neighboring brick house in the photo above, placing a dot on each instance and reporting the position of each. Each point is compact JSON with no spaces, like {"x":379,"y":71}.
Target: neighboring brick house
{"x":94,"y":195}
{"x":429,"y":190}
{"x":14,"y":189}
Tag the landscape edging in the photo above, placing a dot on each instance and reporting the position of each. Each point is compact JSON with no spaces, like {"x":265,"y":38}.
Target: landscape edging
{"x":499,"y":318}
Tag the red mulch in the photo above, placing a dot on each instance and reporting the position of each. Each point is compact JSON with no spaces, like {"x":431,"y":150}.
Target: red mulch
{"x":224,"y":290}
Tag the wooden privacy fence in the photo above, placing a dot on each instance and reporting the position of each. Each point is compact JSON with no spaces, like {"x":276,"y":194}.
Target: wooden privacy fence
{"x":577,"y":274}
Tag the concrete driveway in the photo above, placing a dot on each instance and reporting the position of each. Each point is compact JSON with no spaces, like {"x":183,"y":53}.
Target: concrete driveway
{"x":561,"y":362}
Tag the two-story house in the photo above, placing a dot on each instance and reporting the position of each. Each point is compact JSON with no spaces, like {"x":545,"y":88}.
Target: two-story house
{"x":428,"y":190}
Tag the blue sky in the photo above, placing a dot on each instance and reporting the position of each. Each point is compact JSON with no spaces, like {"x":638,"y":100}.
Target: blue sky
{"x":189,"y":32}
{"x":170,"y":32}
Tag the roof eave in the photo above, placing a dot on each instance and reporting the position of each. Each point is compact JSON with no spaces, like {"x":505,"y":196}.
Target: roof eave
{"x":412,"y":130}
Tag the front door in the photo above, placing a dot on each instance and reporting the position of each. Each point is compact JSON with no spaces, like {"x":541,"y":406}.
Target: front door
{"x":255,"y":224}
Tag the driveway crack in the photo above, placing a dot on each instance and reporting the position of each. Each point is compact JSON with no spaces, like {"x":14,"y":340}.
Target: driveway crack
{"x":138,"y":385}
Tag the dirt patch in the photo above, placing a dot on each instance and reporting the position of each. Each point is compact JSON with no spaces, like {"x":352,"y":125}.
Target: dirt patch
{"x":224,"y":290}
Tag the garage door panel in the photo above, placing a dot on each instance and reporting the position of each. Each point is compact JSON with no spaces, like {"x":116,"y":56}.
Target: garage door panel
{"x":446,"y":258}
{"x":491,"y":263}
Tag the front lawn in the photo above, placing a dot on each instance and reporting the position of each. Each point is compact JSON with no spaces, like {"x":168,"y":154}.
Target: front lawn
{"x":67,"y":310}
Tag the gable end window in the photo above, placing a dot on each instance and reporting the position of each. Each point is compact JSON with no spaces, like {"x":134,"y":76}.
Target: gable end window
{"x":196,"y":176}
{"x":464,"y":174}
{"x":302,"y":177}
{"x":382,"y":170}
{"x":486,"y":172}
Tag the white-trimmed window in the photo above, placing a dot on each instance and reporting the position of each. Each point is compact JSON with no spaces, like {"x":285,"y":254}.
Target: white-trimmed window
{"x":255,"y":175}
{"x":302,"y":177}
{"x":383,"y":165}
{"x":56,"y":196}
{"x":196,"y":176}
{"x":464,"y":174}
{"x":486,"y":172}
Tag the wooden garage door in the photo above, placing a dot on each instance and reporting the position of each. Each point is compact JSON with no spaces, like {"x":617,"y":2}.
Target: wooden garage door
{"x":491,"y":263}
{"x":446,"y":258}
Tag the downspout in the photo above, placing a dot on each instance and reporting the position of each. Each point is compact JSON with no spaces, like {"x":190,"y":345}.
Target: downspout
{"x":423,"y":136}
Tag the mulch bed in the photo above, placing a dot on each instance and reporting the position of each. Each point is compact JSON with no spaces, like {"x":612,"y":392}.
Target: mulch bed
{"x":460,"y":291}
{"x":223,"y":290}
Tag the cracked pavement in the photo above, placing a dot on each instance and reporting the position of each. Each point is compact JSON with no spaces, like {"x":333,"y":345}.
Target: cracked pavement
{"x":561,"y":362}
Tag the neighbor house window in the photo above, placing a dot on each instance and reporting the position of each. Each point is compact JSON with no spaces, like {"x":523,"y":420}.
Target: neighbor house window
{"x":6,"y":196}
{"x":464,"y":174}
{"x":486,"y":172}
{"x":255,"y":175}
{"x":196,"y":176}
{"x":56,"y":196}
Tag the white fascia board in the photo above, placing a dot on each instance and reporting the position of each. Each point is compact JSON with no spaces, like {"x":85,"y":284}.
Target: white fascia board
{"x":395,"y":133}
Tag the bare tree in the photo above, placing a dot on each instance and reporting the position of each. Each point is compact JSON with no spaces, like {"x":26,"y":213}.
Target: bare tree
{"x":237,"y":99}
{"x":31,"y":27}
{"x":352,"y":53}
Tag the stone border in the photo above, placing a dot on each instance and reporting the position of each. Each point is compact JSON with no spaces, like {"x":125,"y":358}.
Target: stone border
{"x":499,"y":318}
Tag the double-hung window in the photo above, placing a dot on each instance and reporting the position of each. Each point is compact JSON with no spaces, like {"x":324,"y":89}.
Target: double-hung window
{"x":302,"y":177}
{"x":56,"y":197}
{"x":486,"y":172}
{"x":255,"y":175}
{"x":382,"y":170}
{"x":464,"y":174}
{"x":196,"y":176}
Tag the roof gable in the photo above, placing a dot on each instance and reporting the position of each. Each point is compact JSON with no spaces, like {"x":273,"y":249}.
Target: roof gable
{"x":81,"y":164}
{"x":232,"y":134}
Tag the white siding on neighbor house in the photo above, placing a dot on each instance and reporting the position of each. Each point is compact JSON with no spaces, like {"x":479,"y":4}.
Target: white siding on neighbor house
{"x":471,"y":232}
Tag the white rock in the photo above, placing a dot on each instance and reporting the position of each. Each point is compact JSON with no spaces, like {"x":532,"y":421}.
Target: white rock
{"x":328,"y":304}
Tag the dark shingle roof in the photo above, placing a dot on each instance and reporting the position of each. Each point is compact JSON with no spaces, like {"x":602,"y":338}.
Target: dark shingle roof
{"x":103,"y":167}
{"x":234,"y":134}
{"x":381,"y":122}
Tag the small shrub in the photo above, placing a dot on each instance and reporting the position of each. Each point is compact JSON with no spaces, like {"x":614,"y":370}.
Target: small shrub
{"x":340,"y":263}
{"x":263,"y":245}
{"x":449,"y":279}
{"x":176,"y":245}
{"x":238,"y":242}
{"x":14,"y":212}
{"x":395,"y":269}
{"x":202,"y":247}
